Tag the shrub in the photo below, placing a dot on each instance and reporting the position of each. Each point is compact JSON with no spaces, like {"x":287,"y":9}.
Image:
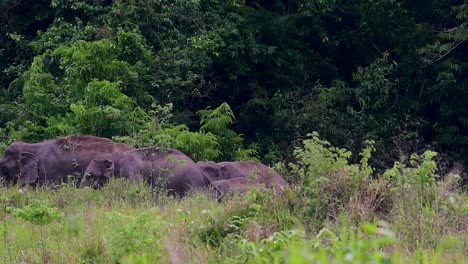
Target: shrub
{"x":424,"y":209}
{"x":214,"y":141}
{"x":329,"y":182}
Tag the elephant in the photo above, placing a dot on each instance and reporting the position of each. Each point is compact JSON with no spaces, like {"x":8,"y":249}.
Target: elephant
{"x":240,"y":176}
{"x":219,"y":189}
{"x":50,"y":162}
{"x":9,"y":163}
{"x":256,"y":172}
{"x":154,"y":165}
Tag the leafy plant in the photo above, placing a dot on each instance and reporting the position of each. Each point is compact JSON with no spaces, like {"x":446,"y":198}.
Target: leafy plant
{"x":39,"y":212}
{"x":329,"y":182}
{"x":85,"y":87}
{"x":216,"y":121}
{"x":214,"y":141}
{"x":349,"y":246}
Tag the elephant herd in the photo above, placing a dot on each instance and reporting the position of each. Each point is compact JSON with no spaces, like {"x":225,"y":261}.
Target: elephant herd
{"x":91,"y":161}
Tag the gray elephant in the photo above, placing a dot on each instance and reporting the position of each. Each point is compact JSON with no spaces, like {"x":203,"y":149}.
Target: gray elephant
{"x":157,"y":166}
{"x":219,"y":189}
{"x":51,"y":162}
{"x":254,"y":171}
{"x":240,"y":176}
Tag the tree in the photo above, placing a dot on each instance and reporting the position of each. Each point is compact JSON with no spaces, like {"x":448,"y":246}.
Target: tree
{"x":88,"y":87}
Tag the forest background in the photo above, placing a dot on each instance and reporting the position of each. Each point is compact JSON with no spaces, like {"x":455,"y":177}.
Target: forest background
{"x":394,"y":72}
{"x":361,"y":105}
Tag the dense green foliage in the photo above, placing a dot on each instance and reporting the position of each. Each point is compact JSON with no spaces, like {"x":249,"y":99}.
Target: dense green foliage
{"x":390,"y":71}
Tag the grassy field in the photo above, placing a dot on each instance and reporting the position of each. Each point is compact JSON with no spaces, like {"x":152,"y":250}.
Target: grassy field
{"x":334,"y":212}
{"x":130,"y":224}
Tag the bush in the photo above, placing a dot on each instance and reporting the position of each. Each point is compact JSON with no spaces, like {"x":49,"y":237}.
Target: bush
{"x":424,"y":209}
{"x":214,"y":141}
{"x":328,"y":182}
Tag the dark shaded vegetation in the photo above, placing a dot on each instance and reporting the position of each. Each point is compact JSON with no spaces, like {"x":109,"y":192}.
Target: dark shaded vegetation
{"x":391,"y":71}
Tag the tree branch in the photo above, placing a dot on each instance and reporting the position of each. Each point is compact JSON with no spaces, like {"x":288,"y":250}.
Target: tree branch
{"x":446,"y":53}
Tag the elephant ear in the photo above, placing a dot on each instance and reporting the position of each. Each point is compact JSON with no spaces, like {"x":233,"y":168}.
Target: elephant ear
{"x":108,"y":164}
{"x":29,"y":169}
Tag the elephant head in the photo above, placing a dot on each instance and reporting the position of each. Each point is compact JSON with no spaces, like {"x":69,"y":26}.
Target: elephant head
{"x":219,"y":189}
{"x":29,"y":168}
{"x":253,"y":171}
{"x":18,"y":162}
{"x":211,"y":169}
{"x":98,"y":172}
{"x":221,"y":170}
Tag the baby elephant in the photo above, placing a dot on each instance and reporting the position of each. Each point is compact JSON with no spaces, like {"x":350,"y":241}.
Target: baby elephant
{"x":157,"y":166}
{"x":256,"y":172}
{"x":240,"y":176}
{"x":219,"y":189}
